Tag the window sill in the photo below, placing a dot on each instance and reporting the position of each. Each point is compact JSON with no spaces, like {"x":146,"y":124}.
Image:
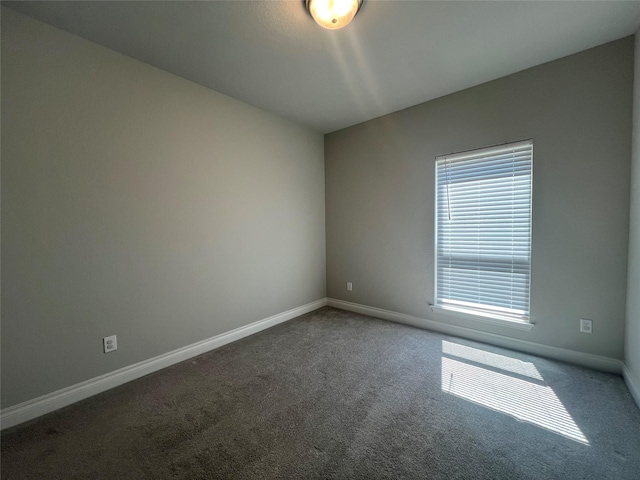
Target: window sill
{"x":485,"y":318}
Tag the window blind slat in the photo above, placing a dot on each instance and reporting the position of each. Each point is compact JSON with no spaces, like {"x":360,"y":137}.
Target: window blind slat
{"x":483,"y":229}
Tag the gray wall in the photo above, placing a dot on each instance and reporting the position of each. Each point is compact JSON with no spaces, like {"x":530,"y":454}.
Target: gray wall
{"x":632,"y":344}
{"x":139,"y":204}
{"x":380,"y":195}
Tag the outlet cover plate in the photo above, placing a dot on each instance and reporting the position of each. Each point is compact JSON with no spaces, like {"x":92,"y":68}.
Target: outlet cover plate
{"x":586,"y":325}
{"x":110,"y":344}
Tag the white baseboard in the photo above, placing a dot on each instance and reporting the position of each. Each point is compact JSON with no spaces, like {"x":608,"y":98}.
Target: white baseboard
{"x":632,"y":383}
{"x":596,"y":362}
{"x":50,"y":402}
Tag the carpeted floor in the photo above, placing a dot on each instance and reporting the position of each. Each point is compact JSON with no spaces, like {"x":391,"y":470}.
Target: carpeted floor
{"x":334,"y":394}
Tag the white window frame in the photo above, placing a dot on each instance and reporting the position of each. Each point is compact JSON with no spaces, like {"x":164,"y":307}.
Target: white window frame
{"x":492,"y":313}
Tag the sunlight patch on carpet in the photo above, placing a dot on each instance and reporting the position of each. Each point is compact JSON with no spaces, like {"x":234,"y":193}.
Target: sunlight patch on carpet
{"x":502,"y":362}
{"x":527,"y":400}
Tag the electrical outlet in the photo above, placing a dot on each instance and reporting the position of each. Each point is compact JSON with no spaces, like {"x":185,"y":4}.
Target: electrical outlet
{"x":586,"y":325}
{"x":349,"y":287}
{"x":110,"y":343}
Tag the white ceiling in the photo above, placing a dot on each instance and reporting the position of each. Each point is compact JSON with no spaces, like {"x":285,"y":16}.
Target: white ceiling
{"x":393,"y":55}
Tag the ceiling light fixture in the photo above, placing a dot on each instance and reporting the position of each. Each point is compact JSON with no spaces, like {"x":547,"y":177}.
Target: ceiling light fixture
{"x":333,"y":14}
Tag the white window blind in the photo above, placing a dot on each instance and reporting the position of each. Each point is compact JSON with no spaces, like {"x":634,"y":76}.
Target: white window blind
{"x":483,"y":231}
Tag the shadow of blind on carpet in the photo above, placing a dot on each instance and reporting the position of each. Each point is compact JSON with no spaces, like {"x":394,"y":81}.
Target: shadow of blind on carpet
{"x":506,"y":385}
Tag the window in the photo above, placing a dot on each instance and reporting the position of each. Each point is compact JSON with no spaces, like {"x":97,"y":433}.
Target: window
{"x":483,"y":232}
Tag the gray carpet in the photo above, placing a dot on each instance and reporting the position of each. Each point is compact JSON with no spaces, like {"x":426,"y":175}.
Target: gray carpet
{"x":334,"y":394}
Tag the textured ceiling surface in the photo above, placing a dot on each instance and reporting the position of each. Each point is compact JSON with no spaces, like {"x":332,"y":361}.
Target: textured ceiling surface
{"x":393,"y":55}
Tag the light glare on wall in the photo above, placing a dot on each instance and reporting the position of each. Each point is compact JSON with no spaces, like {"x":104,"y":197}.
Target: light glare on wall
{"x":333,"y":14}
